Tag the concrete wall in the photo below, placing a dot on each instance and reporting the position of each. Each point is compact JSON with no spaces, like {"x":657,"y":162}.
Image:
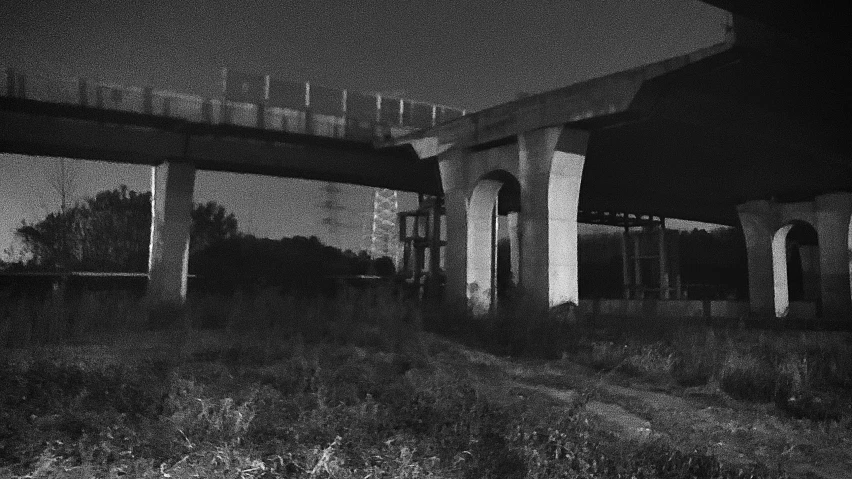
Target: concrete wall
{"x":687,"y":308}
{"x":646,"y":307}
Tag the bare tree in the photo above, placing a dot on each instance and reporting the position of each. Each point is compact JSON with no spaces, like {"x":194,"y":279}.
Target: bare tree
{"x":62,"y":178}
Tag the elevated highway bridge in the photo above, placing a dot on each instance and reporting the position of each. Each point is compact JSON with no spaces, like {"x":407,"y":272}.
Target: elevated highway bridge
{"x":753,"y":132}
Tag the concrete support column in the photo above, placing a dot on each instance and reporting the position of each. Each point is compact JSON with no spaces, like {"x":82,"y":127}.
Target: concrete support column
{"x":664,"y":264}
{"x":172,"y":186}
{"x":514,"y":245}
{"x":780,"y":282}
{"x":455,"y":210}
{"x":481,"y":241}
{"x":639,"y":292}
{"x":495,"y":240}
{"x":833,"y":227}
{"x":756,"y":218}
{"x":434,"y":247}
{"x":625,"y":265}
{"x":550,"y":189}
{"x":455,"y":251}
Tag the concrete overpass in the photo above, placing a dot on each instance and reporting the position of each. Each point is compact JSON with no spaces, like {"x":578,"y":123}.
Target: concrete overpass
{"x":327,"y":135}
{"x":752,"y":131}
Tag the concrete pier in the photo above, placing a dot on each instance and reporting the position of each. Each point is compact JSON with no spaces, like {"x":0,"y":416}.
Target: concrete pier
{"x":172,"y":186}
{"x":550,"y":190}
{"x":538,"y":180}
{"x":766,"y":226}
{"x":833,"y":212}
{"x":756,"y":221}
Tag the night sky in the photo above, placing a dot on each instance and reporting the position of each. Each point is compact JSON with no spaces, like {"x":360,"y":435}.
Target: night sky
{"x":470,"y":54}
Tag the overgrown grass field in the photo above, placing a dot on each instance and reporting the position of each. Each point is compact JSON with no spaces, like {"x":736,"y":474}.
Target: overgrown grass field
{"x":359,"y":385}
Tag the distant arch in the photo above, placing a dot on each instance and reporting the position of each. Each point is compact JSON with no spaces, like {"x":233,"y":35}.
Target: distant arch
{"x":795,"y":265}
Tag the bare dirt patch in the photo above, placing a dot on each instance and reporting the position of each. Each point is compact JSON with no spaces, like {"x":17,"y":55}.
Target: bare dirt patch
{"x":700,"y":418}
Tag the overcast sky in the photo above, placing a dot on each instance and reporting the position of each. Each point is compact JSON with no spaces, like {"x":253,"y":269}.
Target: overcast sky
{"x":470,"y":54}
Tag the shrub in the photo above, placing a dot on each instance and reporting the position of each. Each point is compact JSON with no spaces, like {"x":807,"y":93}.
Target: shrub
{"x":744,"y":376}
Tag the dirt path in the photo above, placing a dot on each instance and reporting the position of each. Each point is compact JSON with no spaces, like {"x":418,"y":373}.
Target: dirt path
{"x":697,"y":418}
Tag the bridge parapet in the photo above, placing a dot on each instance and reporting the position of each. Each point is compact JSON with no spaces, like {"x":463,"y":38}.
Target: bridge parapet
{"x":333,"y":113}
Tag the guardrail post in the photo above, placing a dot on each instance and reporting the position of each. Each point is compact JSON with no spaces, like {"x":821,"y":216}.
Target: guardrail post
{"x":148,"y":100}
{"x":340,"y":128}
{"x":10,"y":82}
{"x":83,"y":92}
{"x":309,"y":126}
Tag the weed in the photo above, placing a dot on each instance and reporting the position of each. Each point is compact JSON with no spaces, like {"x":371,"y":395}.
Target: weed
{"x":266,"y":385}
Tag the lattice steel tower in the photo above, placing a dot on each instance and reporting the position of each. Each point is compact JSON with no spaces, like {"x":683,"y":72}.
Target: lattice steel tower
{"x":383,"y":238}
{"x":332,"y":208}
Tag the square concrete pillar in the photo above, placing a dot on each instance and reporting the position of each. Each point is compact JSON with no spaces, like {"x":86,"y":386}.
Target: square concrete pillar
{"x":172,"y":186}
{"x":756,"y":218}
{"x":550,"y":189}
{"x":833,"y":214}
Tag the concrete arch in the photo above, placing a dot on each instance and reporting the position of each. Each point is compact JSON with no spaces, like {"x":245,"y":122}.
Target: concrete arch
{"x":563,"y":198}
{"x":780,"y":272}
{"x":483,"y":208}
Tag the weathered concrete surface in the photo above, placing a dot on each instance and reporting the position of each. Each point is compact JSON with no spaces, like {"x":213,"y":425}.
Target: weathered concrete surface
{"x":550,"y":187}
{"x":33,"y":128}
{"x":683,"y":308}
{"x":766,"y":224}
{"x":599,"y":97}
{"x":545,"y":167}
{"x":690,"y":137}
{"x":172,"y":186}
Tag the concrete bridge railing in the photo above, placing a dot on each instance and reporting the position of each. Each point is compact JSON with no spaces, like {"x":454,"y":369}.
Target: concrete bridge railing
{"x":225,"y":110}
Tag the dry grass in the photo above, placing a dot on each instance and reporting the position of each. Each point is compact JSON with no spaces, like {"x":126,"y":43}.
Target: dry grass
{"x":806,"y":374}
{"x":270,"y":386}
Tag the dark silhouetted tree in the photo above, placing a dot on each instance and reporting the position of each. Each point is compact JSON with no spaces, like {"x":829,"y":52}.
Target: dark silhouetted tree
{"x":111,"y":232}
{"x":211,"y":224}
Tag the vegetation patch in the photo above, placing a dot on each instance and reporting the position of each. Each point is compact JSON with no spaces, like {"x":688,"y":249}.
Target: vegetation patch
{"x":348,"y":387}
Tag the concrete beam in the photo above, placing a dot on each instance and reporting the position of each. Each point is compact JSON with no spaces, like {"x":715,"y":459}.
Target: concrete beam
{"x":172,"y":186}
{"x":599,"y":97}
{"x":218,"y":148}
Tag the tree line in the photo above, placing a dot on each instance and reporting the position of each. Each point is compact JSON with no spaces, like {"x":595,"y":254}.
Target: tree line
{"x":110,"y":232}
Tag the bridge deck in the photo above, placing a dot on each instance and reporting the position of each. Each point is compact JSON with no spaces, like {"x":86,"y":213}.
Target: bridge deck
{"x":143,"y":126}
